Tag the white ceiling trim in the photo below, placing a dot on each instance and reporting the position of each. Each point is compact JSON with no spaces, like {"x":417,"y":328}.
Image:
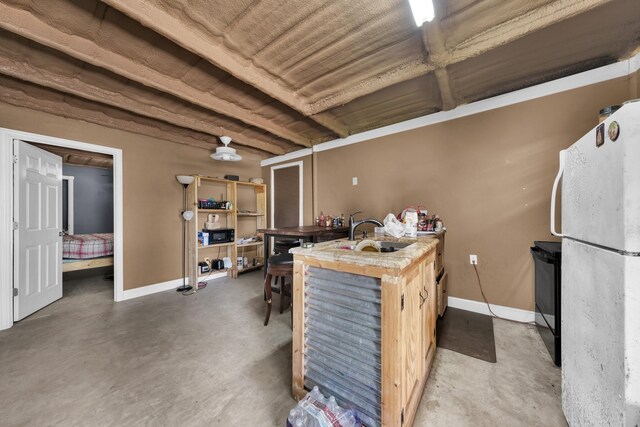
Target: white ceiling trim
{"x":597,"y":75}
{"x":285,"y":157}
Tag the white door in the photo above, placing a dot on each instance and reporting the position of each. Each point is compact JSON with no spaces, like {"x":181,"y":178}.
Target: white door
{"x":38,"y":237}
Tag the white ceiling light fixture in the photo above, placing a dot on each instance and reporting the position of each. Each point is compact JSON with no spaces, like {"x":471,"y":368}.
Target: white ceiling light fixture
{"x":422,"y":11}
{"x":226,"y":153}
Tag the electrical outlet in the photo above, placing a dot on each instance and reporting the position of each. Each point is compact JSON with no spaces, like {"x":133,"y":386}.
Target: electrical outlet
{"x":473,"y":259}
{"x":354,"y":180}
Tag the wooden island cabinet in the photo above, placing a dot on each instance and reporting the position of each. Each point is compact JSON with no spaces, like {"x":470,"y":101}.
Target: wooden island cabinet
{"x":442,"y":299}
{"x":364,"y":326}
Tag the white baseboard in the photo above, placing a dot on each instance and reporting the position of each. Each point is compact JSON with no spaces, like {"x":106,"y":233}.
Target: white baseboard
{"x":502,"y":311}
{"x":164,"y":286}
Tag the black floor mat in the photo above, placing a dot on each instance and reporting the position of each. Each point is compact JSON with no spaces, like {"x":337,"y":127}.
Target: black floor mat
{"x":467,"y":333}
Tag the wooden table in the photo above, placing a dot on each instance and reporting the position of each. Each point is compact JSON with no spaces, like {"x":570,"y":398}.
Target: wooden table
{"x":310,"y":233}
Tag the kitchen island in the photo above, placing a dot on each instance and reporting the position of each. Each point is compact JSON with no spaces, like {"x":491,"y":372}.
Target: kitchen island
{"x":364,"y":325}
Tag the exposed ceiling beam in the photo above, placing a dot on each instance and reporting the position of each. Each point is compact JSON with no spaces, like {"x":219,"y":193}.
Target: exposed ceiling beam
{"x":331,"y":123}
{"x":509,"y":31}
{"x":329,"y":117}
{"x":207,"y":45}
{"x":437,"y":56}
{"x":38,"y":98}
{"x":79,"y":157}
{"x":24,"y":23}
{"x":19,"y":60}
{"x":446,"y":93}
{"x":515,"y":28}
{"x":407,"y":71}
{"x":211,"y":47}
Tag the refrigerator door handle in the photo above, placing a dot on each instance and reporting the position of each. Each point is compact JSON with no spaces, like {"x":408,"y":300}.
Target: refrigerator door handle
{"x":554,"y":192}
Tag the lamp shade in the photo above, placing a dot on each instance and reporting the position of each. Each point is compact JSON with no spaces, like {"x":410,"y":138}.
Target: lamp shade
{"x":185,"y":179}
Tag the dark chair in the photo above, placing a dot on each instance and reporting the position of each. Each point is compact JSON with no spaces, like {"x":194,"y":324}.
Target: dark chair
{"x":279,"y":266}
{"x":282,"y":246}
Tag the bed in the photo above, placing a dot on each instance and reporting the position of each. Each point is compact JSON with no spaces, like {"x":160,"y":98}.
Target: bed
{"x":86,"y":251}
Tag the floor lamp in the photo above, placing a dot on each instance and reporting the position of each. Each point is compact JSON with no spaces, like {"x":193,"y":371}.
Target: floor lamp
{"x":187,"y":215}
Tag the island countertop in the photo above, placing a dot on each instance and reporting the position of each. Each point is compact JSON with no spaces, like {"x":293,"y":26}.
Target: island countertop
{"x":385,"y":262}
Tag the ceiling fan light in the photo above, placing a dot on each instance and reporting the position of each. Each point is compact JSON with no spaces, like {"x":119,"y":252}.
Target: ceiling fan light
{"x":226,"y":153}
{"x":422,"y":11}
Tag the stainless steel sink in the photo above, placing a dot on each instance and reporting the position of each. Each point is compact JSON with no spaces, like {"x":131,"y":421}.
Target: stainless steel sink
{"x":394,"y":245}
{"x":384,"y":246}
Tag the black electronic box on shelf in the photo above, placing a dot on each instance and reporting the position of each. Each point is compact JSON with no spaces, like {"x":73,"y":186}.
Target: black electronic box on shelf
{"x":212,"y":204}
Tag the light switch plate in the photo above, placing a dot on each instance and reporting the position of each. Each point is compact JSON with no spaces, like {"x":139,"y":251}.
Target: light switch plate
{"x":354,"y":180}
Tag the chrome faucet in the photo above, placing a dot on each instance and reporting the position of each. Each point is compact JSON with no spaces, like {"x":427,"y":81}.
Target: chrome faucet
{"x":355,"y":224}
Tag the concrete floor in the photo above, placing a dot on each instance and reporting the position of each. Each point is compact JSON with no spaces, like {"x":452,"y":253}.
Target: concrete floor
{"x":167,"y":359}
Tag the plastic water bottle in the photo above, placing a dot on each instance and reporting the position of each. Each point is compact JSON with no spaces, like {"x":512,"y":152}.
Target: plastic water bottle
{"x":297,"y":417}
{"x":333,"y":405}
{"x":348,"y":419}
{"x":314,"y":410}
{"x":291,"y":418}
{"x":315,"y":394}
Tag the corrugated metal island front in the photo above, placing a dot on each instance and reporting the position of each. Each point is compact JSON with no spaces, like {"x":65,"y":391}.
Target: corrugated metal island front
{"x":364,"y":328}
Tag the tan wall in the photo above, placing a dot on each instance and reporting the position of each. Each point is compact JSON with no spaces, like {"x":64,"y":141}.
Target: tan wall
{"x":488,"y":176}
{"x":307,"y":182}
{"x":152,"y":196}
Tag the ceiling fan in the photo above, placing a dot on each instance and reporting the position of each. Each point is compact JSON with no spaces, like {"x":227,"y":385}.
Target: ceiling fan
{"x":226,"y":153}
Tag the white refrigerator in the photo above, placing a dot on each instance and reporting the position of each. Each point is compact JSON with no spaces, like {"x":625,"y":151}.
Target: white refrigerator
{"x":601,"y":273}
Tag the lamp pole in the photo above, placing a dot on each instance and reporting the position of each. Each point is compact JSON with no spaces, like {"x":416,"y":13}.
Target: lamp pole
{"x":186,"y":215}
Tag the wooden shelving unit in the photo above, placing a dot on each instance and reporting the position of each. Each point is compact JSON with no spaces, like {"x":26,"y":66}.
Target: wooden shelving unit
{"x":251,"y":204}
{"x":216,"y":245}
{"x":247,"y":196}
{"x":245,"y":245}
{"x":217,"y":211}
{"x":252,"y":267}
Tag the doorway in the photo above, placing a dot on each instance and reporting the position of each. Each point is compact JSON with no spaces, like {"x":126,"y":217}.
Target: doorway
{"x":7,"y":232}
{"x":87,"y":222}
{"x":287,"y":195}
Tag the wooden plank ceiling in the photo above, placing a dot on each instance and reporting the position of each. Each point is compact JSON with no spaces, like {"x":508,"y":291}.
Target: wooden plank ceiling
{"x":71,"y":156}
{"x":278,"y":75}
